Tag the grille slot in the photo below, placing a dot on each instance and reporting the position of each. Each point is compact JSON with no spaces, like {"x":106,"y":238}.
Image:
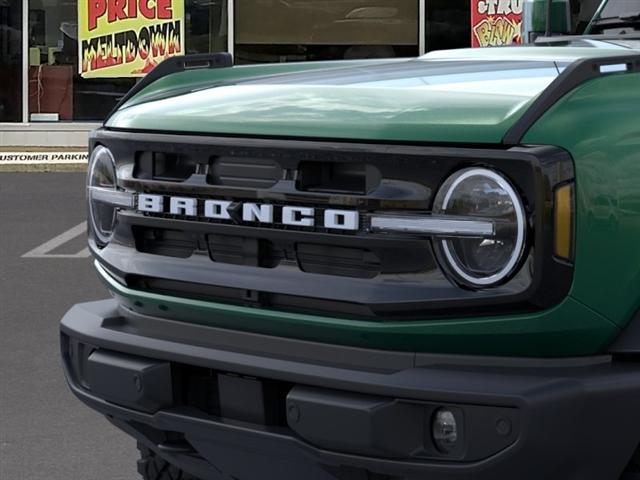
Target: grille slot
{"x":168,"y":167}
{"x":235,"y":250}
{"x":333,"y":177}
{"x":340,"y":261}
{"x":160,"y":241}
{"x":244,"y":172}
{"x":350,"y":260}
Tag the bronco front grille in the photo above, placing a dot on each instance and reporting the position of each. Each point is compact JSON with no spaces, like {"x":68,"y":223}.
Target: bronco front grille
{"x":356,"y":272}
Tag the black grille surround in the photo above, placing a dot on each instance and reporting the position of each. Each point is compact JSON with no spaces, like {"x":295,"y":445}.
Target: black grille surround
{"x":350,"y":274}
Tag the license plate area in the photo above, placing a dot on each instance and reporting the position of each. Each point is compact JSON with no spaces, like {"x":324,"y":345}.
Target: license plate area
{"x":230,"y":395}
{"x":243,"y":398}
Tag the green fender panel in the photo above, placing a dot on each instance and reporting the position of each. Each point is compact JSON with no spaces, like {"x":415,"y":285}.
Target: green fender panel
{"x":599,"y":124}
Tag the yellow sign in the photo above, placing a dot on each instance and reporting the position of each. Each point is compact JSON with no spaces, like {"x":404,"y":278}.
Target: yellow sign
{"x":127,"y":38}
{"x":497,"y":31}
{"x":495,"y":23}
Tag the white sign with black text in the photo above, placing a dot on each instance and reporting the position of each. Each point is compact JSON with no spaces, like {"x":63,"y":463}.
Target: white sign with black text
{"x":43,"y":157}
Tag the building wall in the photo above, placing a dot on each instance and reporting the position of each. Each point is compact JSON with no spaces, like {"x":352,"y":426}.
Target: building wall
{"x":39,"y":50}
{"x":32,"y":135}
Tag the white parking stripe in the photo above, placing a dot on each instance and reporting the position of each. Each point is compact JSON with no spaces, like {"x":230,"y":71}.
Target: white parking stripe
{"x":43,"y":250}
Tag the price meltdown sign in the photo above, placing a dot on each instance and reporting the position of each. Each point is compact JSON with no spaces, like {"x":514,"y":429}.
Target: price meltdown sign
{"x":127,"y":38}
{"x":496,"y":22}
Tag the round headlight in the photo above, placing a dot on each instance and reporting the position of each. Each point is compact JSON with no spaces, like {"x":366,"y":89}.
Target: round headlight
{"x":102,"y":176}
{"x":481,"y":261}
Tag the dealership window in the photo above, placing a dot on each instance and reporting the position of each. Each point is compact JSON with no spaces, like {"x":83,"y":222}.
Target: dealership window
{"x":57,"y":92}
{"x":447,"y":24}
{"x":11,"y":60}
{"x":301,"y":30}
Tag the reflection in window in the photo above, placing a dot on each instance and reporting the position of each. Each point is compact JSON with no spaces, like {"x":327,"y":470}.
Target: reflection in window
{"x":206,"y":25}
{"x":486,"y":77}
{"x":58,"y":92}
{"x":613,"y":11}
{"x":620,"y":8}
{"x":11,"y":61}
{"x":301,"y":30}
{"x":448,"y":24}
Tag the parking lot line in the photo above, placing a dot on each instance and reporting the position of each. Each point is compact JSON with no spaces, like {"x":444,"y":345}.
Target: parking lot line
{"x":43,"y":251}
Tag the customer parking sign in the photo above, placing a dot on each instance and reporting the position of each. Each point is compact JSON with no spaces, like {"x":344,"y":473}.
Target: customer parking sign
{"x":127,"y":38}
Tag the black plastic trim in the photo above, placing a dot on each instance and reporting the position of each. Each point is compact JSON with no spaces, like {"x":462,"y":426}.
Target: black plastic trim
{"x":628,"y":342}
{"x":118,"y":318}
{"x":102,"y":324}
{"x":550,"y":40}
{"x":564,"y":429}
{"x":231,"y":137}
{"x":572,"y":76}
{"x":173,"y":65}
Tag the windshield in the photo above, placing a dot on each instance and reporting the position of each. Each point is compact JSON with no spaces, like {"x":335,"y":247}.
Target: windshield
{"x":620,"y":8}
{"x":617,"y":17}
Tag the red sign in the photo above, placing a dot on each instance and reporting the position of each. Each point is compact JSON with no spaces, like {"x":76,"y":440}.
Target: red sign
{"x":496,"y":22}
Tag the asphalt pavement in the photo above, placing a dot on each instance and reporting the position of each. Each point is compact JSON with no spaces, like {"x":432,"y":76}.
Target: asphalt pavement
{"x":45,"y":432}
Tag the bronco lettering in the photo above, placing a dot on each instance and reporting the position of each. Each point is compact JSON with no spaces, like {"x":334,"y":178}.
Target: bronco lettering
{"x":262,"y":213}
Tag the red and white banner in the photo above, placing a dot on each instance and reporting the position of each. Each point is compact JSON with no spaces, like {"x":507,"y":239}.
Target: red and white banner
{"x":496,"y":22}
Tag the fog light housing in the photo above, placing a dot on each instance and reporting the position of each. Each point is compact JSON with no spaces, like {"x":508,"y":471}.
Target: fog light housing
{"x":444,"y":430}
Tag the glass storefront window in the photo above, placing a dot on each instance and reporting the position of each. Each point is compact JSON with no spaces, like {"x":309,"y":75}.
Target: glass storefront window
{"x":56,"y":90}
{"x":264,"y":31}
{"x":206,"y":26}
{"x":447,"y":24}
{"x":10,"y":61}
{"x":295,"y":30}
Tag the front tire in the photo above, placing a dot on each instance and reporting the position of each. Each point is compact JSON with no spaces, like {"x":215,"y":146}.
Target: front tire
{"x":153,"y":467}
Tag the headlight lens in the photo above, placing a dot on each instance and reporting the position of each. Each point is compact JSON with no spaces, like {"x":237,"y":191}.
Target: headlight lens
{"x":481,"y":261}
{"x":102,"y":178}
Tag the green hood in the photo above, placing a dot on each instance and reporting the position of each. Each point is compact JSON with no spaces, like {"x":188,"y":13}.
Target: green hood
{"x":470,"y":96}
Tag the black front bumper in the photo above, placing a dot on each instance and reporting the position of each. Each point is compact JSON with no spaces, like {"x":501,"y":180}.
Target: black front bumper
{"x":227,"y":404}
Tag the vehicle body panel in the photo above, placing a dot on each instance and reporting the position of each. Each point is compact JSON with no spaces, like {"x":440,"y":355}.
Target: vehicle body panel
{"x":381,"y":402}
{"x":464,"y":96}
{"x":462,"y":102}
{"x":599,"y":124}
{"x":470,"y":96}
{"x":569,"y":329}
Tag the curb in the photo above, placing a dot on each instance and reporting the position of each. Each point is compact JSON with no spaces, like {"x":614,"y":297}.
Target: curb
{"x":43,"y":167}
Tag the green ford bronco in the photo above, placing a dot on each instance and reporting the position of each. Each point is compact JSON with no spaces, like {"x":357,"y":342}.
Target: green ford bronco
{"x":418,"y":268}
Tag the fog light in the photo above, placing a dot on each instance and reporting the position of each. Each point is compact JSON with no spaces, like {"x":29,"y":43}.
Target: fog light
{"x":444,"y":429}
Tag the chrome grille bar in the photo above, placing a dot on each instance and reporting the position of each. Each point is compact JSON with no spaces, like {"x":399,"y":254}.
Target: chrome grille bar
{"x":442,"y":226}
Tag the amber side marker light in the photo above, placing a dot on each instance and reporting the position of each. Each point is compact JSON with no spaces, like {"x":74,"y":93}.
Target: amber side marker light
{"x":564,"y":220}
